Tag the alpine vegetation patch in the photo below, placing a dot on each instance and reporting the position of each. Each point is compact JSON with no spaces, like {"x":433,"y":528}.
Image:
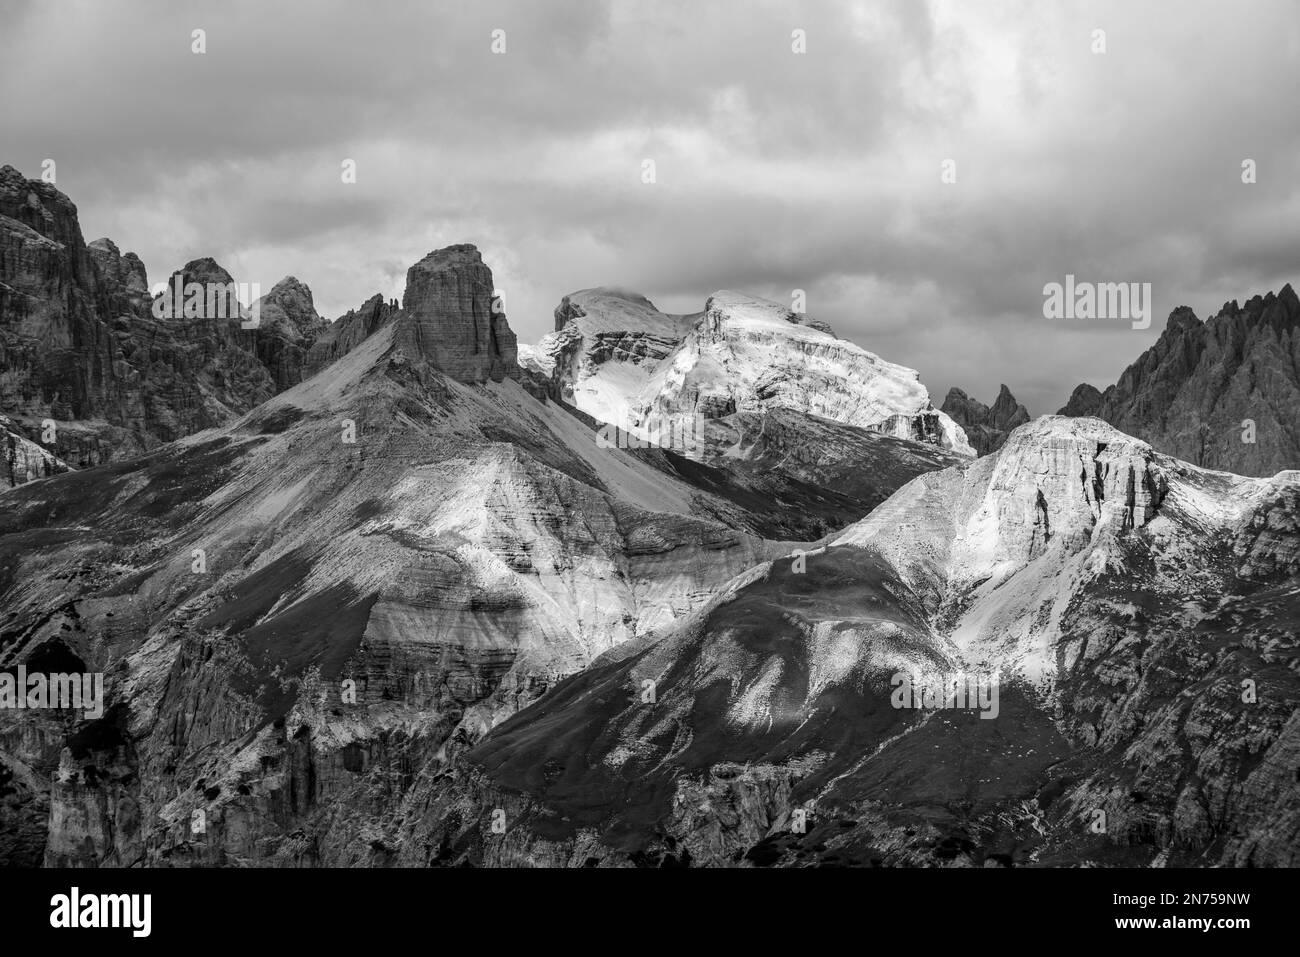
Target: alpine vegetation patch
{"x":1089,"y":300}
{"x":77,"y":692}
{"x":678,"y":432}
{"x":958,"y":690}
{"x":73,"y":910}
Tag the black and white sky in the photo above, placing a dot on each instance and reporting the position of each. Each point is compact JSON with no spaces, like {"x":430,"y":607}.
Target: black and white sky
{"x":774,"y":170}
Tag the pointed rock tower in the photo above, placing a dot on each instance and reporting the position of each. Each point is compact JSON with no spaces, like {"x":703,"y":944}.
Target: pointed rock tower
{"x":449,"y":317}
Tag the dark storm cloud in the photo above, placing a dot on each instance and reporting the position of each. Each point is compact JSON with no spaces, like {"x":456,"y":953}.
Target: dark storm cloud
{"x":774,"y":171}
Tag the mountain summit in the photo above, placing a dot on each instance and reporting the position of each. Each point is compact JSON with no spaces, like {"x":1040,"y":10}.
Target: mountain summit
{"x":987,"y":427}
{"x":1221,"y":393}
{"x":452,"y":314}
{"x":616,"y":357}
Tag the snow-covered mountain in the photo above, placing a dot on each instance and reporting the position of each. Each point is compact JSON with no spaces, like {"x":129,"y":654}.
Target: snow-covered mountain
{"x":620,"y":360}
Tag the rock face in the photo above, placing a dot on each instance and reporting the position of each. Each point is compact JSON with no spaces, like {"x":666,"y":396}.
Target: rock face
{"x":1222,"y":394}
{"x":797,"y":477}
{"x":1085,"y":402}
{"x":606,"y":344}
{"x":986,"y":428}
{"x":617,"y":358}
{"x":289,"y":327}
{"x":776,"y":736}
{"x":24,"y":460}
{"x":449,"y":551}
{"x":349,"y":331}
{"x":450,"y":314}
{"x":124,"y":277}
{"x":80,"y":344}
{"x":447,"y":319}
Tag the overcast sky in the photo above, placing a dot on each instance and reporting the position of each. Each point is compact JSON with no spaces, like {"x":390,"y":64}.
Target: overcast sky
{"x":775,"y":170}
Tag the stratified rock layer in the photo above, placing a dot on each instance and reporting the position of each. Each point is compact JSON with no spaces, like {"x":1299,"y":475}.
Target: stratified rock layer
{"x":452,"y":315}
{"x":23,"y":459}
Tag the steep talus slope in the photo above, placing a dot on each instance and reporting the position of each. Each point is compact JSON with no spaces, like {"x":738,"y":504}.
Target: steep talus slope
{"x":349,"y":331}
{"x":298,"y":610}
{"x":1123,"y":597}
{"x":1221,"y":394}
{"x":986,"y":427}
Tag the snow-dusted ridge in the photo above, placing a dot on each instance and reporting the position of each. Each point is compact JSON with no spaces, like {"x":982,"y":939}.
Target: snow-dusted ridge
{"x":620,"y":360}
{"x":1000,"y":546}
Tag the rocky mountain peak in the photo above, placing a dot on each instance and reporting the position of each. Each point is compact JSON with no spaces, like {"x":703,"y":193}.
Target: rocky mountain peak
{"x":123,"y":276}
{"x":567,"y":310}
{"x":1057,"y":484}
{"x":1220,"y":393}
{"x":216,"y":297}
{"x":451,"y":317}
{"x":1184,"y":317}
{"x":349,"y":331}
{"x":1084,"y":400}
{"x":987,"y":427}
{"x":205,"y":269}
{"x":617,"y":358}
{"x":738,"y":307}
{"x":41,"y":207}
{"x":289,"y":307}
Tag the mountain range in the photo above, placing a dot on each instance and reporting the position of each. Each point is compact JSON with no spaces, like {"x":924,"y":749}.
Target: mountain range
{"x":1222,"y":393}
{"x":398,"y":590}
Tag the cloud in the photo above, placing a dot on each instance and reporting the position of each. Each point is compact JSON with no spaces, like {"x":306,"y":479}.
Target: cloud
{"x":774,"y":170}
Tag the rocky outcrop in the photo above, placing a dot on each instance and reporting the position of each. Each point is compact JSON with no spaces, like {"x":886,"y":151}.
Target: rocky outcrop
{"x":24,"y":459}
{"x":606,"y":343}
{"x":986,"y":427}
{"x":125,"y":279}
{"x":1085,"y":402}
{"x":81,"y":343}
{"x":349,"y":331}
{"x":289,"y":326}
{"x":451,"y":314}
{"x":449,"y":319}
{"x":1221,"y":394}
